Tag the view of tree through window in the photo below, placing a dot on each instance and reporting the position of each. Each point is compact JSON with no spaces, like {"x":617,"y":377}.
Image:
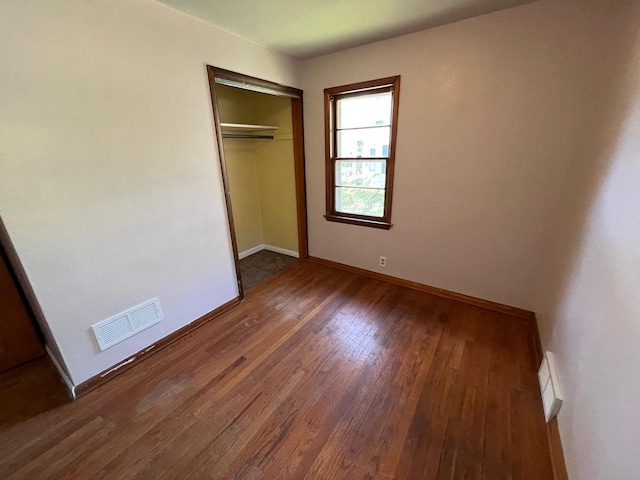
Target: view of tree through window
{"x":360,"y":131}
{"x":360,"y":186}
{"x":363,"y":124}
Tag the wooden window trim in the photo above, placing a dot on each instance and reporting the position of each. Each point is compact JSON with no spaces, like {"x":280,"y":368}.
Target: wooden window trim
{"x":330,"y":133}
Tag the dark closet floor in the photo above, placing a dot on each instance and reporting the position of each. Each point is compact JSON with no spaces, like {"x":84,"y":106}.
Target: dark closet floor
{"x":258,"y":267}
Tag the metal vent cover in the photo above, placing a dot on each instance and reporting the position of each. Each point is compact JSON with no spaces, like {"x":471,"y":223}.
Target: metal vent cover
{"x":125,"y":324}
{"x":549,"y":387}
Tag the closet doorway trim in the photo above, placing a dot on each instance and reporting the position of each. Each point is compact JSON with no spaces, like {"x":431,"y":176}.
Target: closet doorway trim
{"x":220,"y":76}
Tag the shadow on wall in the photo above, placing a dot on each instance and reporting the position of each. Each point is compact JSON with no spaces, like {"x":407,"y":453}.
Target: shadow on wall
{"x":593,"y":160}
{"x":589,"y":306}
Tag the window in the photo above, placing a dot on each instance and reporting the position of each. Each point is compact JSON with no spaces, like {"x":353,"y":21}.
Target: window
{"x":360,"y":139}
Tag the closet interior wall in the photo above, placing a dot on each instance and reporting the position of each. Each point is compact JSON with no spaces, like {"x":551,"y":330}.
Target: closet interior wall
{"x":261,"y":172}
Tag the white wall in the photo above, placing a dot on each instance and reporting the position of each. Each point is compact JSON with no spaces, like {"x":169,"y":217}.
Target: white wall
{"x":109,"y":185}
{"x":517,"y":174}
{"x":589,"y":304}
{"x":492,"y":111}
{"x":517,"y":180}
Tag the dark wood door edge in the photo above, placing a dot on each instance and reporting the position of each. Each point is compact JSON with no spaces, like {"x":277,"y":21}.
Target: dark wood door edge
{"x":121,"y":367}
{"x":225,"y":178}
{"x":19,"y":277}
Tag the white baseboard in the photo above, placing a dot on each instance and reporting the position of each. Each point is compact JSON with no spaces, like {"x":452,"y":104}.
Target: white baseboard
{"x":283,"y":251}
{"x":65,"y":378}
{"x":271,"y":248}
{"x":251,"y":251}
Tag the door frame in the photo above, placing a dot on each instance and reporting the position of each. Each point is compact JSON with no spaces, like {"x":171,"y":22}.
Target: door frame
{"x":247,"y":82}
{"x":21,"y":283}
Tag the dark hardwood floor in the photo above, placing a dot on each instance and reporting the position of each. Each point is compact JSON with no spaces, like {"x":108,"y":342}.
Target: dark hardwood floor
{"x":318,"y":374}
{"x":28,"y":390}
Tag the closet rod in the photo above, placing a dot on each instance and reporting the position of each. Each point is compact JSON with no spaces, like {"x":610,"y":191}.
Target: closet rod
{"x":239,"y":135}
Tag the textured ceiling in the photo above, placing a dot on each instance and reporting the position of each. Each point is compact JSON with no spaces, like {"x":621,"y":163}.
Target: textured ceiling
{"x":309,"y":28}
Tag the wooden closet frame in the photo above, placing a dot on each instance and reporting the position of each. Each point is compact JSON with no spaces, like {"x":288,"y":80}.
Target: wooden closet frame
{"x":23,"y":286}
{"x":298,"y":154}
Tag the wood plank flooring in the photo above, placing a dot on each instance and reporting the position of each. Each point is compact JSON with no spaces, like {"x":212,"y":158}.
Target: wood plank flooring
{"x":318,"y":374}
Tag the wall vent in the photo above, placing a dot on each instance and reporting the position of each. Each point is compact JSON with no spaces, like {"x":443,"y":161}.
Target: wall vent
{"x":121,"y":326}
{"x":549,"y":387}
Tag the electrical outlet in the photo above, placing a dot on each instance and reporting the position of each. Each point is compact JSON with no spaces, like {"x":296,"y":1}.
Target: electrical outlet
{"x":383,"y":261}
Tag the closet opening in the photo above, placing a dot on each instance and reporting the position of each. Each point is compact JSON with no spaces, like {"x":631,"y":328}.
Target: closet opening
{"x":259,"y":132}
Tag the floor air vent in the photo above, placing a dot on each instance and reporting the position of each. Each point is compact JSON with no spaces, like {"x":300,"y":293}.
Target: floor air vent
{"x":121,"y":326}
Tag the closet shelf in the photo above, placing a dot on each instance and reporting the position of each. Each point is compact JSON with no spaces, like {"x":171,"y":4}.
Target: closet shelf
{"x":245,"y":127}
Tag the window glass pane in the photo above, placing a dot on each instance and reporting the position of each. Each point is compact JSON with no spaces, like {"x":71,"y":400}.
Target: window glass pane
{"x":363,"y":142}
{"x":362,"y":201}
{"x":364,"y":110}
{"x":361,"y":173}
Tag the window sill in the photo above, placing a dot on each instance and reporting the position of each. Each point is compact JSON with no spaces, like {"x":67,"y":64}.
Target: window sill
{"x":359,"y":221}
